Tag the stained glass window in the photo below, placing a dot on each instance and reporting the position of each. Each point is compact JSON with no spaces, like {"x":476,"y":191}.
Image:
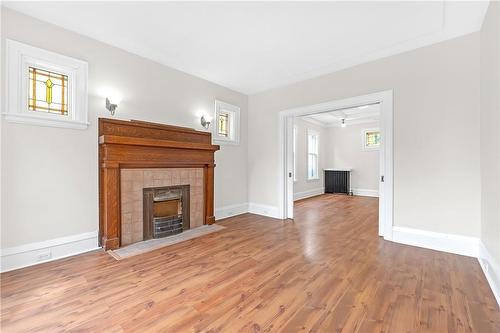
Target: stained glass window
{"x":372,"y":138}
{"x":48,"y":91}
{"x":223,"y":126}
{"x":227,"y":123}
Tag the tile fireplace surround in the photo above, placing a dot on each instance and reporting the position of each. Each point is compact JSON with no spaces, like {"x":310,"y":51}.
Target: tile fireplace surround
{"x":133,"y":181}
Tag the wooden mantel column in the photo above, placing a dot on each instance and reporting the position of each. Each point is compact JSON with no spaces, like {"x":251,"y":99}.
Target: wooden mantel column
{"x":111,"y":218}
{"x":138,"y":144}
{"x":209,"y":192}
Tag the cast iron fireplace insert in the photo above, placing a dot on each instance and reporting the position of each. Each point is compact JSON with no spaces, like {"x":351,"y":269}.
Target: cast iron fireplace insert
{"x":166,"y":211}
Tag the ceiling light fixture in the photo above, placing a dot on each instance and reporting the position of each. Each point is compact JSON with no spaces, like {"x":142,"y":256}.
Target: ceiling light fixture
{"x":343,"y":123}
{"x":363,"y":107}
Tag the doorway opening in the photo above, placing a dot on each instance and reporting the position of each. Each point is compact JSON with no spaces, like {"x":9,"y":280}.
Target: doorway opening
{"x":307,"y":156}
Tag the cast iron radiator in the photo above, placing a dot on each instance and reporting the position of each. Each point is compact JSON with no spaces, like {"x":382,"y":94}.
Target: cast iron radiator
{"x":338,"y":181}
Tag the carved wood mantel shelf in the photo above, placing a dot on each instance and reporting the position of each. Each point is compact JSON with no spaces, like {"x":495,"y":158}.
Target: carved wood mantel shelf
{"x":139,"y":144}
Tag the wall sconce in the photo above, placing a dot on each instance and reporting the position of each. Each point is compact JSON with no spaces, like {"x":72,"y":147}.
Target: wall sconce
{"x":111,"y":106}
{"x":205,"y":121}
{"x":343,"y":124}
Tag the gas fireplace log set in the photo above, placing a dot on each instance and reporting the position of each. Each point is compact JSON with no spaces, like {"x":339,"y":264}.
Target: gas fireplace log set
{"x":142,"y":145}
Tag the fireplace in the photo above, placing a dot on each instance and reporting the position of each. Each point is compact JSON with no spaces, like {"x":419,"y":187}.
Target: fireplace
{"x":166,"y":211}
{"x":136,"y":155}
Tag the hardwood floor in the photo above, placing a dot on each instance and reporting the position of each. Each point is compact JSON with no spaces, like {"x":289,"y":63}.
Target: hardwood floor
{"x":326,"y":271}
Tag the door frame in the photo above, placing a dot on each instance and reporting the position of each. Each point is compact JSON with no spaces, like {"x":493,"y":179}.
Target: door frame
{"x":386,"y":187}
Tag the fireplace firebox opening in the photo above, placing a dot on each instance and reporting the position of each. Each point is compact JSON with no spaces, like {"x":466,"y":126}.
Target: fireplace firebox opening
{"x":166,"y":211}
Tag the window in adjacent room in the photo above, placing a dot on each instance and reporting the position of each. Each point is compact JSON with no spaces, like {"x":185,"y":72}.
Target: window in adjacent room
{"x":312,"y":155}
{"x":295,"y":153}
{"x":371,"y":139}
{"x":227,"y":123}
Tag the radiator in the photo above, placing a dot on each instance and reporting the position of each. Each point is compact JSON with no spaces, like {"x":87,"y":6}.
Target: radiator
{"x":338,"y":181}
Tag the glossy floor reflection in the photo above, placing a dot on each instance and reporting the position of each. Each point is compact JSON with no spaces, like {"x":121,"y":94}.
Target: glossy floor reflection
{"x":324,"y":271}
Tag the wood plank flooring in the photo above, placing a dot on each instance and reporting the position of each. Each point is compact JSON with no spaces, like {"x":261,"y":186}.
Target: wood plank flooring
{"x":326,"y":271}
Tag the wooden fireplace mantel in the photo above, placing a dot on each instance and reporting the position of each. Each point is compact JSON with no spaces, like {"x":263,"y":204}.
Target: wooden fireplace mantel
{"x":139,"y":144}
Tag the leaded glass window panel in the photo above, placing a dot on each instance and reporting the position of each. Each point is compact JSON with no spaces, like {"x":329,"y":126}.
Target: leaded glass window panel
{"x":223,"y":128}
{"x":372,"y":139}
{"x":227,"y":123}
{"x":48,"y":91}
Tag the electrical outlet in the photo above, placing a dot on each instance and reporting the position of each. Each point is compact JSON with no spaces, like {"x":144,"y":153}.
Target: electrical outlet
{"x":44,"y":255}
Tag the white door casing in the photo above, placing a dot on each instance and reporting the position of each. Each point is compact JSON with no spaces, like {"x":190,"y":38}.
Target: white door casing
{"x":386,"y":198}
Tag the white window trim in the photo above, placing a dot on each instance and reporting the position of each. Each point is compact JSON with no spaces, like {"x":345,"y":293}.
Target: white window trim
{"x":312,"y":132}
{"x":363,"y":139}
{"x":19,"y":57}
{"x":234,"y":124}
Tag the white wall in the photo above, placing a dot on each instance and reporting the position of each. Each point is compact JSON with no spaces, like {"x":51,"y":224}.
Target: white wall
{"x":490,"y":138}
{"x":436,"y":131}
{"x":49,"y":175}
{"x":302,"y":187}
{"x":344,"y":150}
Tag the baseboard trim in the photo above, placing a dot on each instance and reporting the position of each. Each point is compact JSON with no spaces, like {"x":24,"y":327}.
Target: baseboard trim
{"x":264,"y":210}
{"x":491,"y":269}
{"x":40,"y":252}
{"x":365,"y":193}
{"x":457,"y":244}
{"x":308,"y":194}
{"x":231,"y":210}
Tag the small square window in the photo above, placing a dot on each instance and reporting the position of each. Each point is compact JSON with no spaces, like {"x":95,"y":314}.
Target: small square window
{"x":371,"y":139}
{"x":45,"y":88}
{"x":227,"y":123}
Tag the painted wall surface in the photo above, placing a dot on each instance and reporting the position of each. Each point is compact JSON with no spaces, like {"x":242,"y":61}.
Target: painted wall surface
{"x":49,"y":175}
{"x":302,"y":184}
{"x":344,"y":150}
{"x":436,"y":131}
{"x":490,"y":132}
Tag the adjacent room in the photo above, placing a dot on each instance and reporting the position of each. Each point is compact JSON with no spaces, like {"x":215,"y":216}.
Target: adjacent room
{"x":343,"y":141}
{"x":326,"y":166}
{"x":336,"y":153}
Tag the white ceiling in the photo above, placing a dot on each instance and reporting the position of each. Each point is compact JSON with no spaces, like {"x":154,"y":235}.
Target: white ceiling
{"x":353,"y":116}
{"x":255,"y":46}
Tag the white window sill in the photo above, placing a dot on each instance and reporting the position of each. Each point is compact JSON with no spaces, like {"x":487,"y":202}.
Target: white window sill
{"x":371,"y":148}
{"x":225,"y":142}
{"x":312,"y":179}
{"x":45,"y":121}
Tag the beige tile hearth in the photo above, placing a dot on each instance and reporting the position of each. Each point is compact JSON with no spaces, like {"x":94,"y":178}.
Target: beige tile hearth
{"x":133,"y":181}
{"x":153,"y":244}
